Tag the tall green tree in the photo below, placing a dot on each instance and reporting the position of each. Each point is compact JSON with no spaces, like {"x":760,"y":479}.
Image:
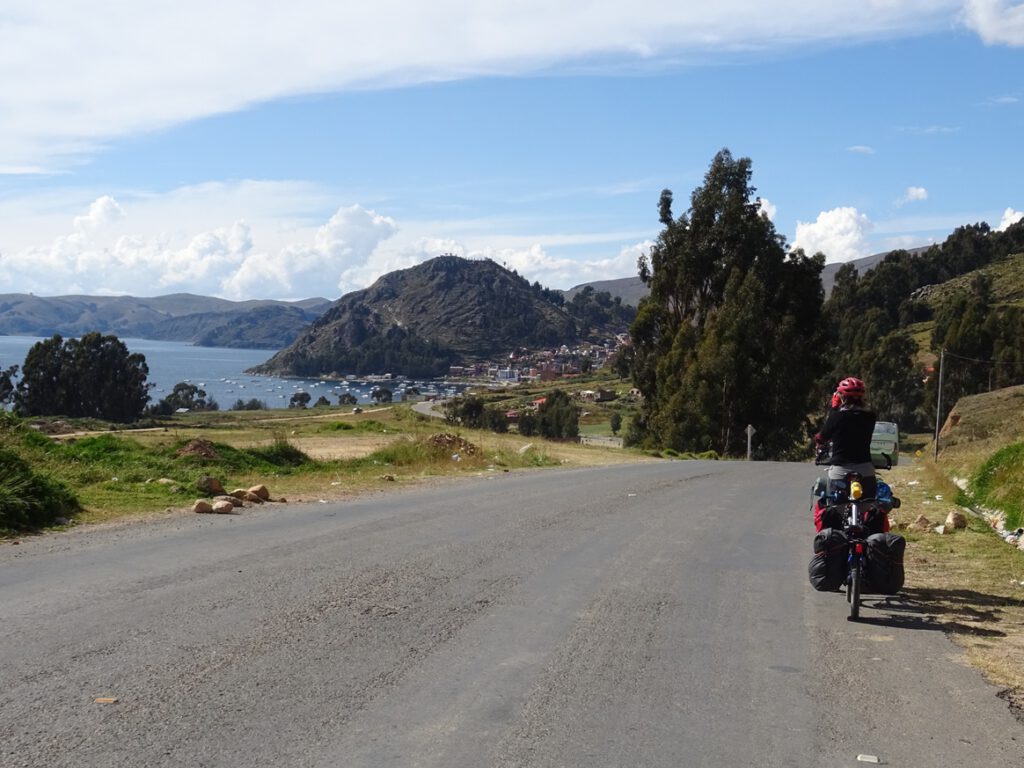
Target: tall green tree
{"x":94,"y":376}
{"x":381,"y":395}
{"x":963,"y":328}
{"x":7,"y":383}
{"x":558,"y":417}
{"x":45,"y":388}
{"x":300,"y":400}
{"x":728,"y":333}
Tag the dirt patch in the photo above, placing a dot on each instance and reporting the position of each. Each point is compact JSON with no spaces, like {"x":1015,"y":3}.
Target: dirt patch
{"x":452,"y":443}
{"x":334,"y":448}
{"x":198,"y":447}
{"x":52,"y":428}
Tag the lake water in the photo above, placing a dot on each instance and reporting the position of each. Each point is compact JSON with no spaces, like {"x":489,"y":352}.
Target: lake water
{"x":219,"y":372}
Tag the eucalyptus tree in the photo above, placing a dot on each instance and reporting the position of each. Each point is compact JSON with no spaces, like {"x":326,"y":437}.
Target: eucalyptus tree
{"x":7,"y":383}
{"x":94,"y":376}
{"x":728,"y":335}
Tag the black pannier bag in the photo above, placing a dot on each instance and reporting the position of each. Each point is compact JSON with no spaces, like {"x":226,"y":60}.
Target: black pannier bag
{"x":827,"y":570}
{"x":884,"y":570}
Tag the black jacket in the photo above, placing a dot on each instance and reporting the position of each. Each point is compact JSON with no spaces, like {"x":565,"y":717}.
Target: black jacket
{"x":849,"y":429}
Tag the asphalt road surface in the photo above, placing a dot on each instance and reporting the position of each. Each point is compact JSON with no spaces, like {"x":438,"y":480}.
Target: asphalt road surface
{"x":641,"y":615}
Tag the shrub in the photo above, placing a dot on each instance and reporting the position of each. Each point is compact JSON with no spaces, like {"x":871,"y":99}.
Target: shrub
{"x":28,"y":500}
{"x":281,"y":453}
{"x":253,"y":404}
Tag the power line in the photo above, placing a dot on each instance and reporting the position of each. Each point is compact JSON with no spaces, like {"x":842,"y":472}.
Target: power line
{"x":984,"y":362}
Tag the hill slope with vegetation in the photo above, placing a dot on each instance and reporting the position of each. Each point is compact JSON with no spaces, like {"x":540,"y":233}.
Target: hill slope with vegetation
{"x":419,"y":321}
{"x":891,"y":324}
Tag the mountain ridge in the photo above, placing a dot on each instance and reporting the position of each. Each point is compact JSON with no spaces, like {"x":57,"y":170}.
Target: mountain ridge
{"x":201,"y":320}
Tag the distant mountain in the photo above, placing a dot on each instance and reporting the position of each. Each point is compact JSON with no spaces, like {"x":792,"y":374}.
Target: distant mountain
{"x":418,"y":321}
{"x":202,"y":320}
{"x":828,"y":275}
{"x":632,"y":289}
{"x":629,"y":289}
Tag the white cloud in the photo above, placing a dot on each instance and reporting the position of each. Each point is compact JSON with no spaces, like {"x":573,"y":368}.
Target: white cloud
{"x":102,"y":211}
{"x":913,"y":195}
{"x":996,"y":21}
{"x":841,"y":234}
{"x":861,"y":149}
{"x":76,"y":75}
{"x":534,"y":263}
{"x":768,"y":208}
{"x":222,"y":261}
{"x":1010,"y":217}
{"x":111,"y":249}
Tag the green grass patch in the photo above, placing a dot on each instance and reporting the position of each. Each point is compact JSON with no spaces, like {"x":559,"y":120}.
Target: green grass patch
{"x":30,"y":500}
{"x":281,"y":454}
{"x":338,"y":426}
{"x":117,"y":473}
{"x":999,"y":483}
{"x":360,"y":426}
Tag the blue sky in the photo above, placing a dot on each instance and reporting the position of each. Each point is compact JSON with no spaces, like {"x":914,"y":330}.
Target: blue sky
{"x":262,"y":150}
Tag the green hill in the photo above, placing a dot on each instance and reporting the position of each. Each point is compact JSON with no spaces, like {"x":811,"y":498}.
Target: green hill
{"x":418,"y":321}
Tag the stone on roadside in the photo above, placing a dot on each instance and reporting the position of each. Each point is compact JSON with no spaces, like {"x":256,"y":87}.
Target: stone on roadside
{"x":230,"y":499}
{"x":202,"y":507}
{"x":253,"y":498}
{"x":223,"y":507}
{"x":956,"y":520}
{"x":921,"y":524}
{"x":261,"y":491}
{"x":941,"y":530}
{"x":210,"y":485}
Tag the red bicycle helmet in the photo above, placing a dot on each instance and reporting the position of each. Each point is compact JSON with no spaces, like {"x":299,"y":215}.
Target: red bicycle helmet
{"x":851,"y":387}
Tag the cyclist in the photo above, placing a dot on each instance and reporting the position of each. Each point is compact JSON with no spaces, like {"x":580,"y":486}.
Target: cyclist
{"x":849,"y":428}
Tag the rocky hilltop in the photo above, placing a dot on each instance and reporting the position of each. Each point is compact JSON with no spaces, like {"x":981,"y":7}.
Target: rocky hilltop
{"x":418,"y":321}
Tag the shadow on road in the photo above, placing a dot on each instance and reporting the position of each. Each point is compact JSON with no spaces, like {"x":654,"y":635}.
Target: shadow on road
{"x":958,"y":612}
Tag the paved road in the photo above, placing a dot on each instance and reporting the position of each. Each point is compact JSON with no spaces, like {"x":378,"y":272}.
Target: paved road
{"x":641,"y":615}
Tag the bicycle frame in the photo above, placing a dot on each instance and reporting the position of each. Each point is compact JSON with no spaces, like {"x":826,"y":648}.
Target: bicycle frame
{"x":856,"y":505}
{"x":856,"y":512}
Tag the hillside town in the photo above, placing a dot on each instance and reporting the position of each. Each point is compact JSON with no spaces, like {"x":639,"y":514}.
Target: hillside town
{"x":543,"y":365}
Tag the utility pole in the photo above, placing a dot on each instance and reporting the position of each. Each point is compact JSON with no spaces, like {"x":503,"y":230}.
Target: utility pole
{"x":750,"y":435}
{"x":938,"y":406}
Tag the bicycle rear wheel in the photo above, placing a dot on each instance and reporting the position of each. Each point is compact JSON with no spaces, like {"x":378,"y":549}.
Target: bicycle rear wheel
{"x":853,"y":591}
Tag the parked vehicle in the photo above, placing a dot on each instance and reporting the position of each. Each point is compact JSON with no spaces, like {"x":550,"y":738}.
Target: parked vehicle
{"x":885,"y":444}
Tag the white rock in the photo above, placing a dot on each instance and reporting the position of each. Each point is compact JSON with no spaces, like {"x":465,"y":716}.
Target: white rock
{"x":956,"y":520}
